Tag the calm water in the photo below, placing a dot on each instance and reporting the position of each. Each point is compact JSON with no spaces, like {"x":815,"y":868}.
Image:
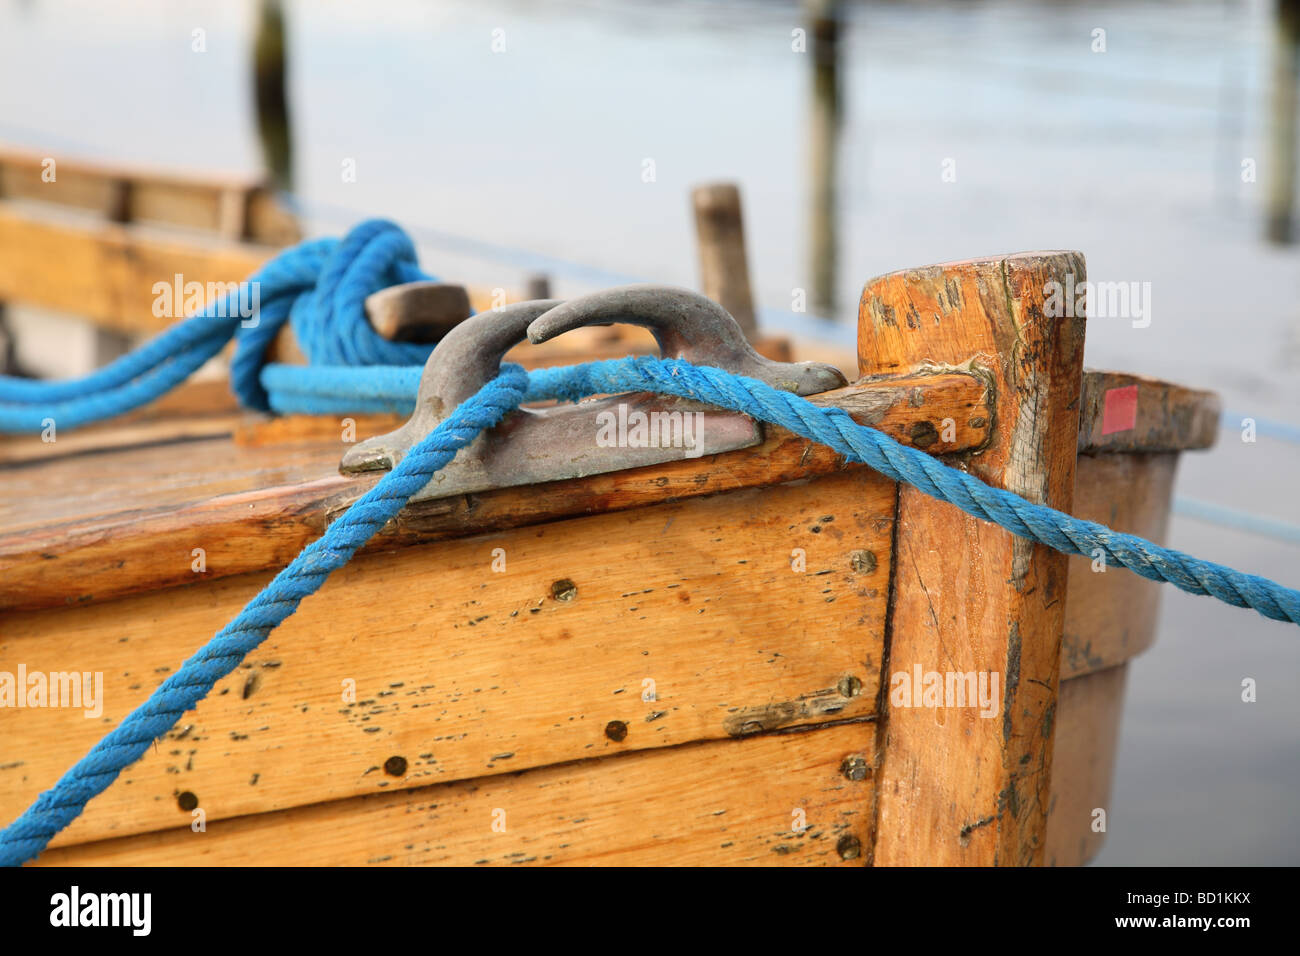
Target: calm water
{"x":1133,"y":156}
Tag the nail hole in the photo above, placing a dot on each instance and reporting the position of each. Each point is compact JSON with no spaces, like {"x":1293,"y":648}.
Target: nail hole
{"x":564,"y":590}
{"x":855,"y":768}
{"x":187,"y":801}
{"x":616,"y":730}
{"x":923,"y":434}
{"x":395,"y":766}
{"x":849,"y":686}
{"x":849,"y":847}
{"x":863,"y":562}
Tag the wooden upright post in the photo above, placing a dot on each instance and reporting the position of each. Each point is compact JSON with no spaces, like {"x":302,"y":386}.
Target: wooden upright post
{"x":824,"y":111}
{"x":269,"y":86}
{"x":724,"y":270}
{"x":1280,"y":175}
{"x":956,"y":787}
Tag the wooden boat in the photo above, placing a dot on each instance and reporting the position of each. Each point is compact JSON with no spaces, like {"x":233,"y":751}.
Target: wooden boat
{"x":705,"y":660}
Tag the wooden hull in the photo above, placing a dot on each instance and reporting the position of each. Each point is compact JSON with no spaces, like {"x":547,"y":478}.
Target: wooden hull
{"x":695,"y":663}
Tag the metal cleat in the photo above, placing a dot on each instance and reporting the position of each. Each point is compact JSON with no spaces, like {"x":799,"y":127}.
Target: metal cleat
{"x":598,"y":435}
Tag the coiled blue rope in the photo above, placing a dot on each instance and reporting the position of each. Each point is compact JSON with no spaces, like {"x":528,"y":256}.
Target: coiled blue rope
{"x":319,"y":287}
{"x":332,"y":280}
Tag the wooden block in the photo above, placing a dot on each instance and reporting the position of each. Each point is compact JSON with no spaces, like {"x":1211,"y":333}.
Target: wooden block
{"x":417,"y":311}
{"x":1145,"y":415}
{"x":957,"y":787}
{"x":740,"y":613}
{"x":723,"y":803}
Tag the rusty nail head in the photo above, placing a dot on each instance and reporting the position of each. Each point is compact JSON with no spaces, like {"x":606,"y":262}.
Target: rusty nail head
{"x":855,"y":767}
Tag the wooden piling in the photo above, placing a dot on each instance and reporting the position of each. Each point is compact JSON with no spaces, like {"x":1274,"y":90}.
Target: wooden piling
{"x":1280,"y":175}
{"x":724,"y":268}
{"x":823,"y":145}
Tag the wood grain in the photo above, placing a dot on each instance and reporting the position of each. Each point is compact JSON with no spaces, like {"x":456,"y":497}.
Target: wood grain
{"x":1168,"y":417}
{"x":723,"y":803}
{"x":1110,"y":615}
{"x":461,"y":670}
{"x":1083,"y":766}
{"x":956,"y":787}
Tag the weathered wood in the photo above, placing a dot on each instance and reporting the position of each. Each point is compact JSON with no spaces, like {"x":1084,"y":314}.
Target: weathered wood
{"x":233,"y":206}
{"x":746,"y":612}
{"x":720,"y":237}
{"x":955,"y":787}
{"x":727,"y":803}
{"x":1123,"y":412}
{"x":417,"y":311}
{"x":1110,"y":615}
{"x":1083,"y":765}
{"x":255,"y":507}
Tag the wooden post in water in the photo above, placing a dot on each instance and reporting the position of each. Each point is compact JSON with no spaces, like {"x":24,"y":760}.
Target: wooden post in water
{"x":955,"y":786}
{"x":823,"y":143}
{"x":269,"y":91}
{"x":724,"y":266}
{"x":1282,"y":145}
{"x":538,"y":286}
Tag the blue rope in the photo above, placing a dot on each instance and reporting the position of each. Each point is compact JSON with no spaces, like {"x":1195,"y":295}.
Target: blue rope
{"x":319,"y":287}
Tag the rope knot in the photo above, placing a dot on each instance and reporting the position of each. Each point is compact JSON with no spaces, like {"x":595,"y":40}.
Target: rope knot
{"x":320,"y":288}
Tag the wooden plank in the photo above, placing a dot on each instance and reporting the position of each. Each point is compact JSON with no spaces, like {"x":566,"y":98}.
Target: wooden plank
{"x":254,"y":508}
{"x":235,"y":206}
{"x":1083,"y":767}
{"x":729,"y":803}
{"x":1124,"y":412}
{"x":957,"y":787}
{"x":106,"y":272}
{"x":1110,"y":615}
{"x":747,"y":612}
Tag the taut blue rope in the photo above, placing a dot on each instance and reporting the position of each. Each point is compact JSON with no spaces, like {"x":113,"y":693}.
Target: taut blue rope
{"x":331,"y":280}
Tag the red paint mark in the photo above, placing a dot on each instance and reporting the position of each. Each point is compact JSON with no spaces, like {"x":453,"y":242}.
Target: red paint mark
{"x":1121,"y":411}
